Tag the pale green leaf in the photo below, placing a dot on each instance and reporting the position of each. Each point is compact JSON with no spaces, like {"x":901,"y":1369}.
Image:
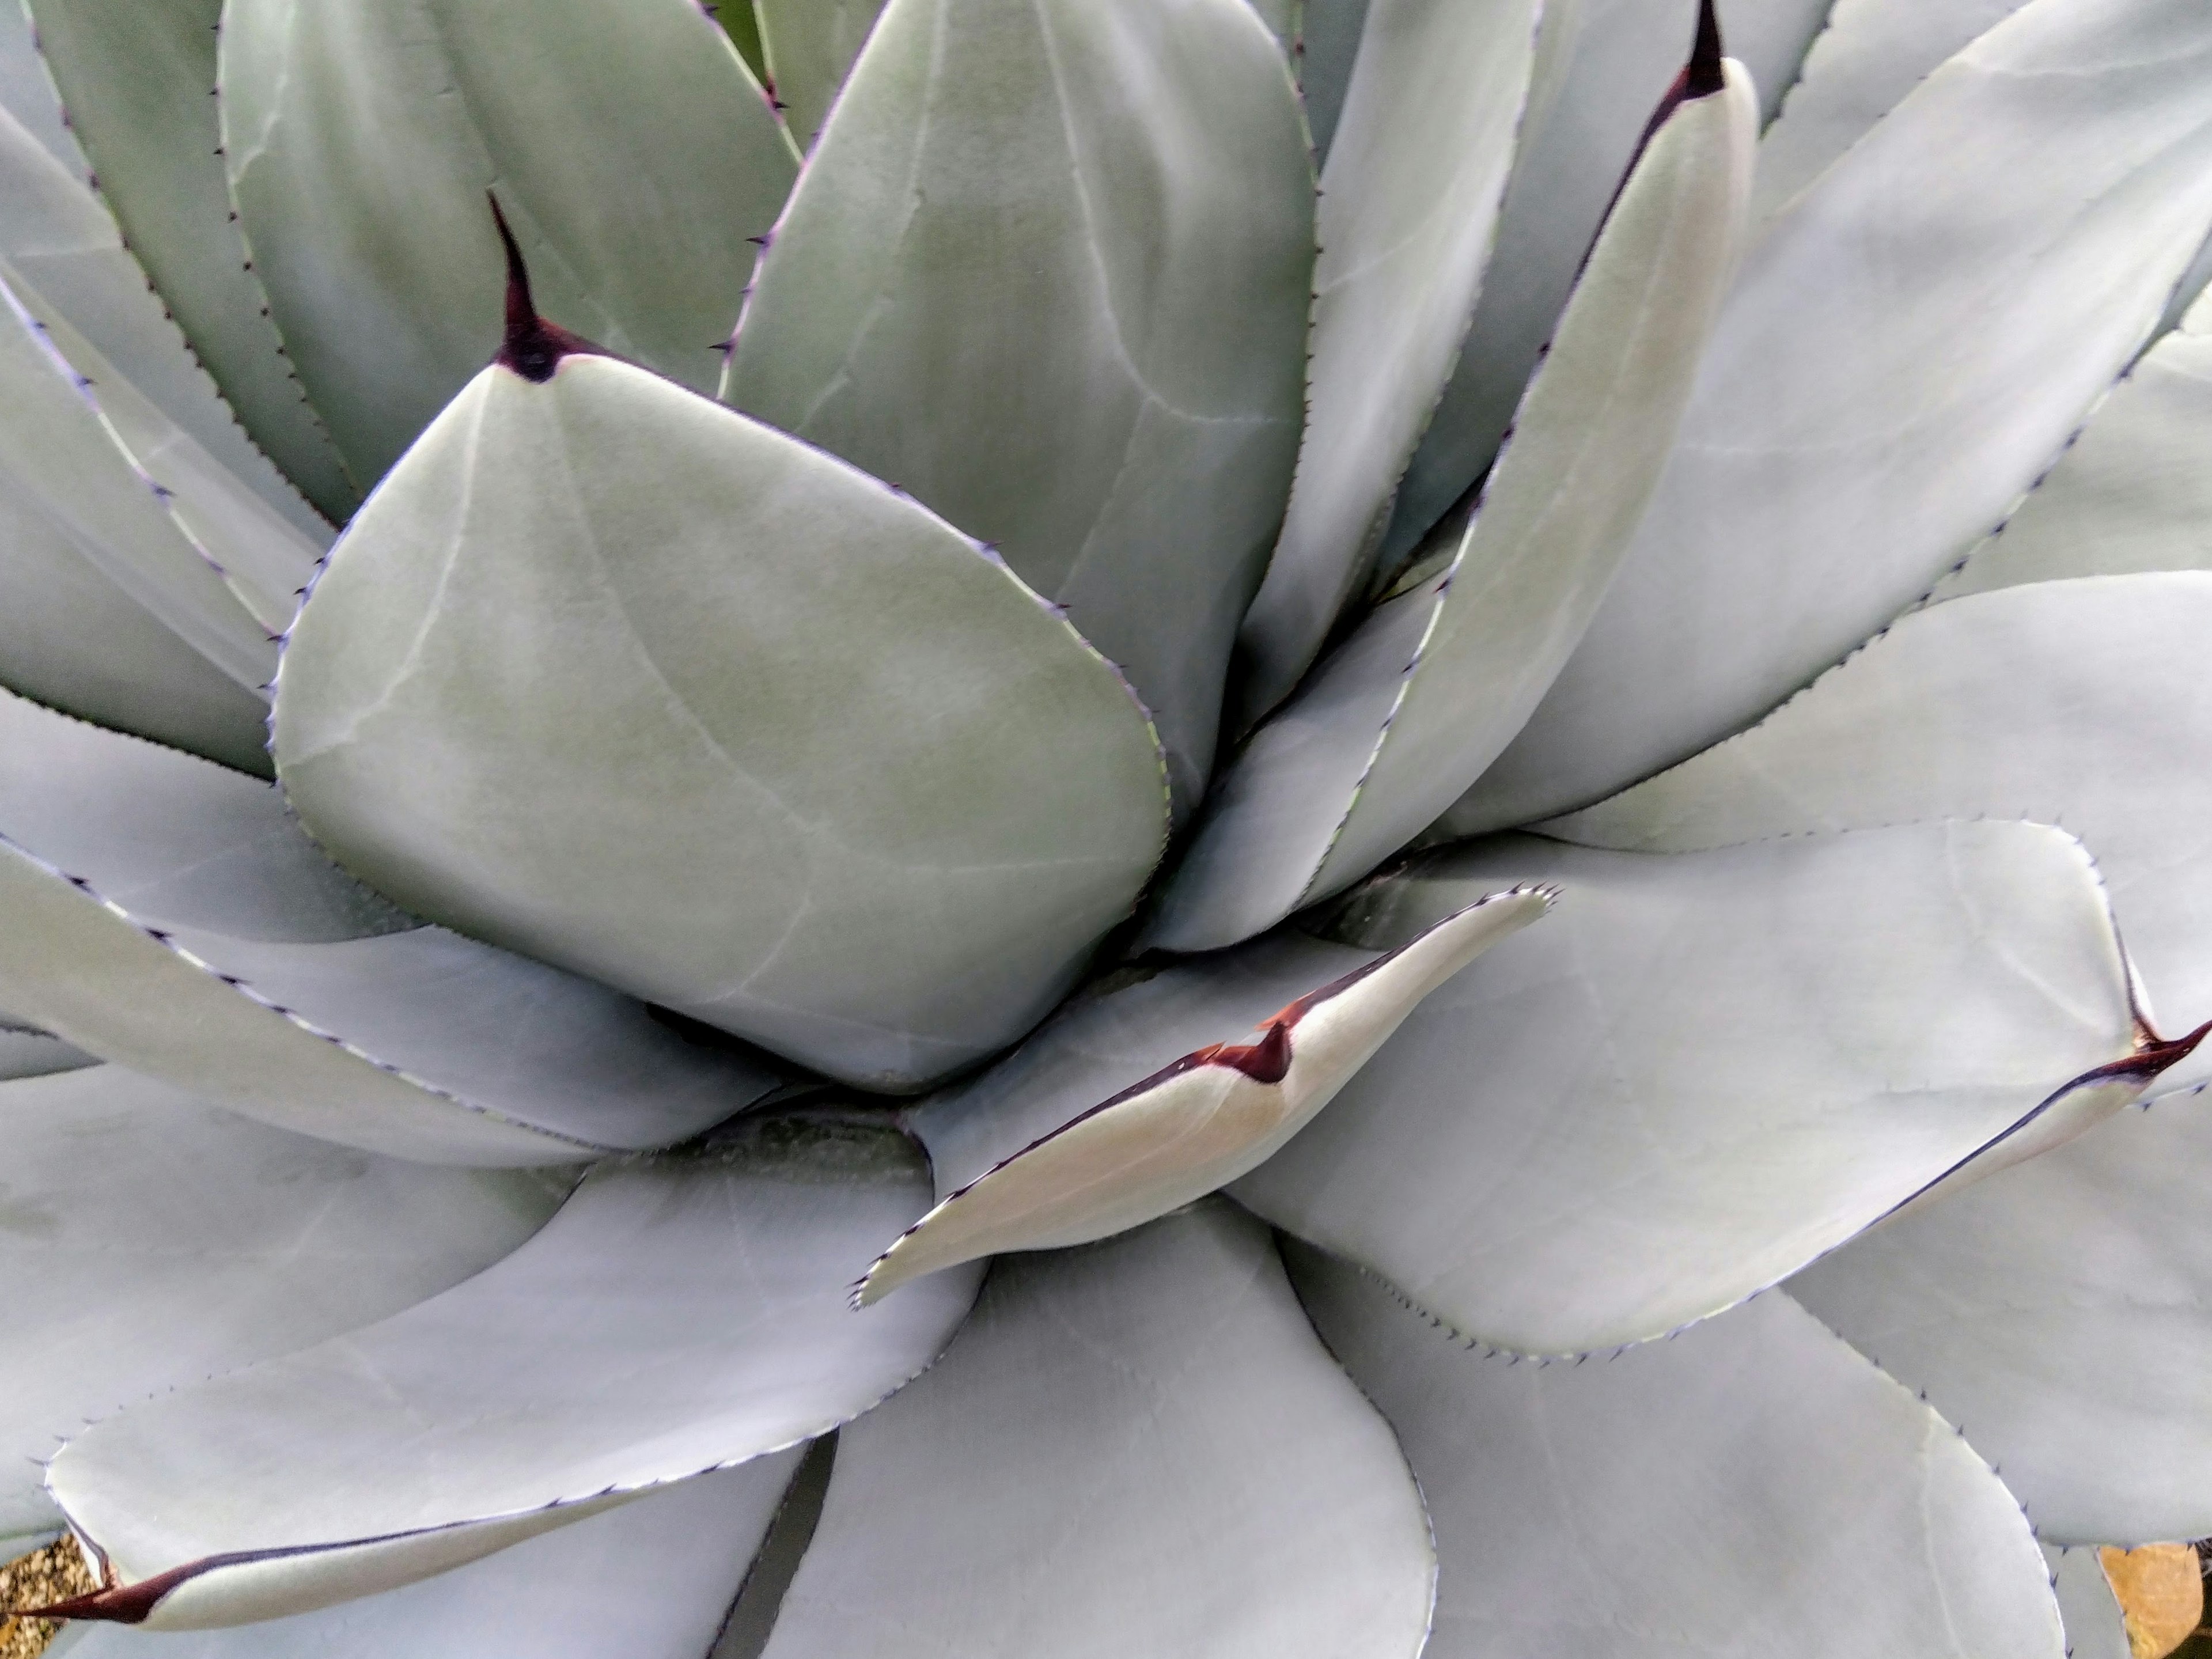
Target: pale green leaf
{"x":811,"y":45}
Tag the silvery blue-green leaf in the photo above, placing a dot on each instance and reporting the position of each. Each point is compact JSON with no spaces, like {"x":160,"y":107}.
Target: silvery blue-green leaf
{"x":1432,"y":685}
{"x":1910,"y":344}
{"x":31,"y":1050}
{"x":680,"y":1315}
{"x":27,"y":91}
{"x":811,"y":45}
{"x":2133,"y":492}
{"x":150,"y":1240}
{"x":648,"y":1580}
{"x":2077,"y":703}
{"x":631,"y":149}
{"x":1409,"y":200}
{"x":2056,"y":1312}
{"x":1134,"y":1448}
{"x":1283,"y":18}
{"x":1048,"y":270}
{"x":1329,"y":35}
{"x":168,"y":914}
{"x":1086,"y":1147}
{"x":620,"y":678}
{"x":1704,"y":1069}
{"x":1871,"y":57}
{"x":1751,"y":1487}
{"x":1769,"y":39}
{"x":2094,"y":1626}
{"x":136,"y":77}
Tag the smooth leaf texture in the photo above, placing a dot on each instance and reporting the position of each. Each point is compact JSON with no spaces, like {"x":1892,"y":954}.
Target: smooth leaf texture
{"x":620,"y":678}
{"x":1703,"y":1070}
{"x":1909,"y":346}
{"x":167,"y":914}
{"x":149,"y":1241}
{"x":27,"y":91}
{"x":2079,"y":703}
{"x":135,"y":76}
{"x":2094,"y":1628}
{"x":2058,"y":1314}
{"x":648,"y":1580}
{"x":30,"y":1050}
{"x":2133,"y":492}
{"x":1133,"y":1149}
{"x":1752,"y":1487}
{"x":1329,"y":35}
{"x":1409,"y":200}
{"x":1136,"y":1446}
{"x":680,"y":1315}
{"x":1048,"y":269}
{"x":631,"y":147}
{"x":811,"y":45}
{"x":1432,"y":686}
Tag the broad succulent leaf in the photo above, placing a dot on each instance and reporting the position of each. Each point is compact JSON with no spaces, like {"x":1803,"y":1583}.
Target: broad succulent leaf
{"x":1118,"y":1148}
{"x":2056,"y":1313}
{"x":647,"y":1580}
{"x":167,"y":913}
{"x":136,"y":76}
{"x":1329,"y":35}
{"x":1910,"y":344}
{"x":1409,"y":199}
{"x":1048,"y":270}
{"x":2094,"y":1626}
{"x":150,"y":1240}
{"x":811,"y":45}
{"x":1237,"y":1498}
{"x":1433,"y":684}
{"x":680,"y":1315}
{"x":1769,"y":39}
{"x":623,"y":679}
{"x":630,"y":145}
{"x":27,"y":91}
{"x":31,"y":1050}
{"x":1703,"y":1070}
{"x":1753,"y":1486}
{"x":2077,"y":703}
{"x":2132,"y":493}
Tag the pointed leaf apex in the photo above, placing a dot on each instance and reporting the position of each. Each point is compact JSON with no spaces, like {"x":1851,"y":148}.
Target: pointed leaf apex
{"x":1701,"y":77}
{"x":532,"y":347}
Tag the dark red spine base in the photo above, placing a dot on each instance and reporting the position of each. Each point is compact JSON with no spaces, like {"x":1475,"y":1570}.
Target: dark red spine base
{"x":532,"y":347}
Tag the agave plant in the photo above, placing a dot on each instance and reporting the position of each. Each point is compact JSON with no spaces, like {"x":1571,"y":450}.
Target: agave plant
{"x":835,"y":994}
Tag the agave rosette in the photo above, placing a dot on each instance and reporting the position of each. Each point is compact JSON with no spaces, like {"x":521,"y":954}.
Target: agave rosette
{"x":856,"y":982}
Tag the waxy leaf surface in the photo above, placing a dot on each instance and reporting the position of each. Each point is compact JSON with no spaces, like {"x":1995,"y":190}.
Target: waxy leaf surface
{"x":811,"y":46}
{"x":2094,"y":1626}
{"x":1211,"y":1482}
{"x":1703,"y":1070}
{"x":619,"y":678}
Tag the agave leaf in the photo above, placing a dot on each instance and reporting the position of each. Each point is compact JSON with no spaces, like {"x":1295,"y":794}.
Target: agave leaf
{"x":2055,"y":1313}
{"x":1910,"y":344}
{"x":26,"y":91}
{"x":1868,"y":60}
{"x":2133,"y":492}
{"x":1769,"y":39}
{"x":680,"y":1315}
{"x":648,"y":1580}
{"x":150,"y":1241}
{"x":135,"y":76}
{"x":168,"y":914}
{"x":1211,"y":1483}
{"x":569,"y":684}
{"x":27,"y":1049}
{"x":1329,"y":35}
{"x":1088,"y":1146}
{"x":1409,"y":200}
{"x":2075,"y":703}
{"x":811,"y":45}
{"x":1704,"y":1070}
{"x":632,"y":149}
{"x":1753,"y":1486}
{"x":1432,"y":685}
{"x":2094,"y":1627}
{"x":1048,"y":270}
{"x":1283,"y":19}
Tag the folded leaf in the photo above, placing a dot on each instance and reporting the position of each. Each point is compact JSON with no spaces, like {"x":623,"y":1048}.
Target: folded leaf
{"x":680,"y":1315}
{"x":1119,"y":1145}
{"x":1430,"y":688}
{"x":1409,"y":200}
{"x":149,"y":1241}
{"x":136,"y":77}
{"x":1048,"y":269}
{"x":2078,"y":703}
{"x":1910,"y":344}
{"x":631,"y":146}
{"x":1753,"y":1486}
{"x":1136,"y":1448}
{"x":167,"y":914}
{"x":2057,"y":1314}
{"x":649,"y":1580}
{"x":1704,"y":1069}
{"x":811,"y":46}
